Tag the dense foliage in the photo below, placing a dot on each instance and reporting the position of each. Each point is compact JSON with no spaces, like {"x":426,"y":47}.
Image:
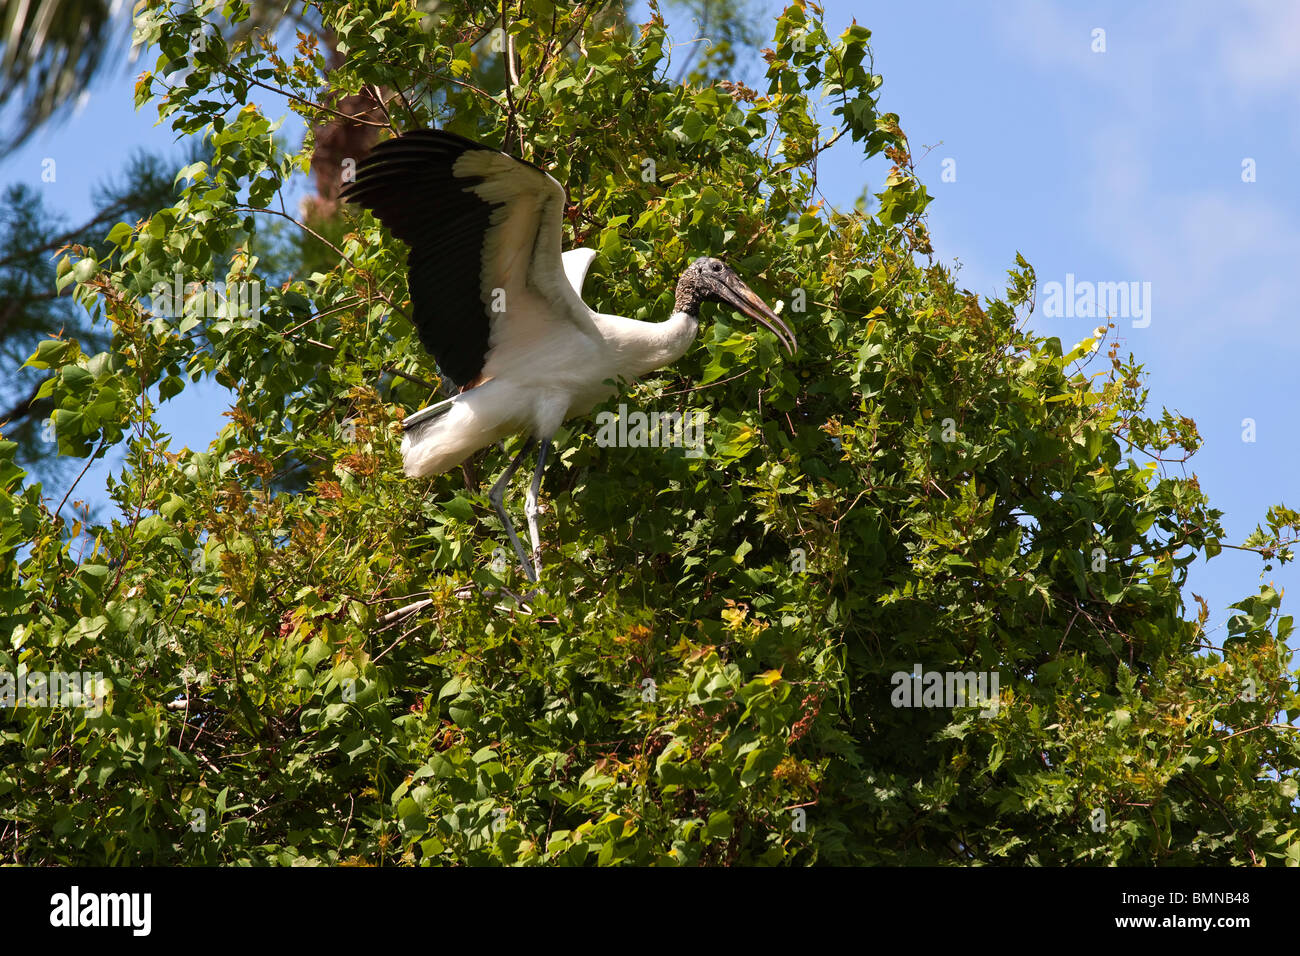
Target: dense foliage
{"x":314,"y":659}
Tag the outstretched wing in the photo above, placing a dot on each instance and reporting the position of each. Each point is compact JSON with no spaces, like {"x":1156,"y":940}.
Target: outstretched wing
{"x":483,"y":229}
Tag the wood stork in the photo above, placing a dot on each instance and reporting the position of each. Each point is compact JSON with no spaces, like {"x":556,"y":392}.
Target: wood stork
{"x":500,"y":307}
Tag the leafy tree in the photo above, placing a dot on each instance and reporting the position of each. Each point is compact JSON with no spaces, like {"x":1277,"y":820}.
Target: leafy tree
{"x":711,"y":670}
{"x":31,"y":309}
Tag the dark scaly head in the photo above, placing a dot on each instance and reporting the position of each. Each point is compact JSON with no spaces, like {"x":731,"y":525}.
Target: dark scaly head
{"x":712,"y":280}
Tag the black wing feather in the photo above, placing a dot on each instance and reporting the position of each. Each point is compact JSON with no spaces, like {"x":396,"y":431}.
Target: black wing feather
{"x":407,"y":183}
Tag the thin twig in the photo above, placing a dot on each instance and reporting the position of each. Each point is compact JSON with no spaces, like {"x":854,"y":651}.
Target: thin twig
{"x":396,"y":597}
{"x":93,"y":456}
{"x":700,"y":388}
{"x":400,"y":637}
{"x":410,"y":378}
{"x":306,"y":102}
{"x":305,"y":228}
{"x":402,"y":612}
{"x":352,"y":806}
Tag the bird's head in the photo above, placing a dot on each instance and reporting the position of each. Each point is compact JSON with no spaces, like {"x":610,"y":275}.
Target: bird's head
{"x":712,"y":280}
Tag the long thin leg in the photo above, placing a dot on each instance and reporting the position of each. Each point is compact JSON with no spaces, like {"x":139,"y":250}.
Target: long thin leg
{"x":495,"y":497}
{"x":530,"y":507}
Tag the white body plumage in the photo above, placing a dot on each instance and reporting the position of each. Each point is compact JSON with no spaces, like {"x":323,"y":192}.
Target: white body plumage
{"x":541,"y":373}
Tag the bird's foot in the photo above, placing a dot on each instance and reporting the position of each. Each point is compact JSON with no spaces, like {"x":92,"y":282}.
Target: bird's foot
{"x":522,"y":602}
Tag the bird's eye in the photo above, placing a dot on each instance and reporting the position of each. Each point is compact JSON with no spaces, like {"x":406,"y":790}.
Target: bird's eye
{"x":716,"y":267}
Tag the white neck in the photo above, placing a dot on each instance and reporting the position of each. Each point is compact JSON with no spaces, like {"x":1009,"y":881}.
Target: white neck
{"x":645,"y":346}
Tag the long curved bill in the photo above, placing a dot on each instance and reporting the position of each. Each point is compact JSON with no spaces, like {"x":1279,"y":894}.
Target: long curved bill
{"x":743,"y":298}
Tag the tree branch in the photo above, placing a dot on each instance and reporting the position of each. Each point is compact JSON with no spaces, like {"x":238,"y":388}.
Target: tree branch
{"x":23,"y":408}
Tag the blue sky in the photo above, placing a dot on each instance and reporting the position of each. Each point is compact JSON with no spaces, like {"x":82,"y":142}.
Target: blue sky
{"x":1123,"y":165}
